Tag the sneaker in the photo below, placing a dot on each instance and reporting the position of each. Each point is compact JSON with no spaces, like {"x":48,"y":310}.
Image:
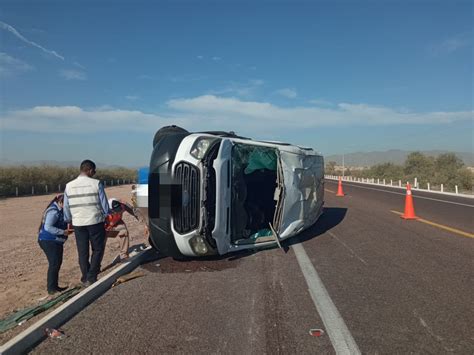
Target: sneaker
{"x":86,"y":284}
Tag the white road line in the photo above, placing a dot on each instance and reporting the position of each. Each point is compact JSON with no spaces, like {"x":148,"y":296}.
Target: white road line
{"x":348,"y":247}
{"x":339,"y":334}
{"x":417,"y":196}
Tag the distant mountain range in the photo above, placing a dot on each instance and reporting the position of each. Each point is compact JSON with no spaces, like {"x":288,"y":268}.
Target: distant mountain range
{"x":390,"y":156}
{"x":74,"y":164}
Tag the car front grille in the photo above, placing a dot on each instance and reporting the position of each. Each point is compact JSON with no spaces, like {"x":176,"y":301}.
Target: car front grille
{"x":186,"y":216}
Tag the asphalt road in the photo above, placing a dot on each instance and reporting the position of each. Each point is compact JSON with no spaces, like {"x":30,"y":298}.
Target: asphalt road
{"x":398,"y":287}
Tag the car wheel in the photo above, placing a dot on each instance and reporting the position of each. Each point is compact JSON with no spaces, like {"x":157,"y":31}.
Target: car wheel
{"x":166,"y":131}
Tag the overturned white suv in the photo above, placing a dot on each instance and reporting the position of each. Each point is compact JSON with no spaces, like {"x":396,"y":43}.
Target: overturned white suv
{"x":213,"y":193}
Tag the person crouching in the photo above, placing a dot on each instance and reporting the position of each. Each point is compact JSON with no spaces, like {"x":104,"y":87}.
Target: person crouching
{"x":52,"y":233}
{"x":116,"y":227}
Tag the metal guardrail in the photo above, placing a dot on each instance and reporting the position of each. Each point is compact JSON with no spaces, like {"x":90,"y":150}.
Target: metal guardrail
{"x":398,"y":185}
{"x":45,"y":189}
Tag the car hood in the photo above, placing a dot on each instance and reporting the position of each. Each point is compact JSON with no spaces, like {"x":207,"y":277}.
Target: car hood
{"x":303,"y":178}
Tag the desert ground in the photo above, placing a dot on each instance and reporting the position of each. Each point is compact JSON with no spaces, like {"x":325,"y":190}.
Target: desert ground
{"x":23,"y":265}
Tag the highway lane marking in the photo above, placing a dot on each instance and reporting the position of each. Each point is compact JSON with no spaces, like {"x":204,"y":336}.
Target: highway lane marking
{"x":449,"y":229}
{"x":349,"y":248}
{"x":417,"y":196}
{"x":339,"y":334}
{"x":329,"y":191}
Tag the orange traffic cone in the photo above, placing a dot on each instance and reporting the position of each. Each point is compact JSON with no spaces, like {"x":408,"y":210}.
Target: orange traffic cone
{"x":409,"y":208}
{"x":340,"y":193}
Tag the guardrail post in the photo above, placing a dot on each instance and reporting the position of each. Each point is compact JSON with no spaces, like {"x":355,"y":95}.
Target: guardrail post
{"x":442,"y":188}
{"x":391,"y":182}
{"x":59,"y":188}
{"x":384,"y":181}
{"x":428,"y":185}
{"x":456,"y":188}
{"x":378,"y":181}
{"x":416,"y":183}
{"x":46,"y":188}
{"x":32,"y":190}
{"x":111,"y":182}
{"x":399,"y":183}
{"x":16,"y":191}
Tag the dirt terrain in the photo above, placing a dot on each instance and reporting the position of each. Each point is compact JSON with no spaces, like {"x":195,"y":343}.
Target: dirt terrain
{"x":23,"y":265}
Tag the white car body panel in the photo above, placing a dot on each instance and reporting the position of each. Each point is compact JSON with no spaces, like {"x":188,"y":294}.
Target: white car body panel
{"x":302,"y":183}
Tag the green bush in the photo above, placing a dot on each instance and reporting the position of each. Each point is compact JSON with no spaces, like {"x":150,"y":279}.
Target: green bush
{"x":446,"y":169}
{"x":26,"y":178}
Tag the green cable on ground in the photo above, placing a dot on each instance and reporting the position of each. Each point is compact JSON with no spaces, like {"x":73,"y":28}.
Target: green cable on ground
{"x":23,"y":315}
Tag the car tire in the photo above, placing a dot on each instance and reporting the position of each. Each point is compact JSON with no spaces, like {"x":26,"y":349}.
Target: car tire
{"x":166,"y":131}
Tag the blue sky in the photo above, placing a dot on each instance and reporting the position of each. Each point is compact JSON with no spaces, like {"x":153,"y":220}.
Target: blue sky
{"x":96,"y":79}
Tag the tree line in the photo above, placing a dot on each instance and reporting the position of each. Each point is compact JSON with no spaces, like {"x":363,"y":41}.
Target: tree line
{"x":25,"y":180}
{"x":447,"y":169}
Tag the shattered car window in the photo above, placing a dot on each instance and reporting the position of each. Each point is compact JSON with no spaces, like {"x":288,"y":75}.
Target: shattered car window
{"x":254,"y":170}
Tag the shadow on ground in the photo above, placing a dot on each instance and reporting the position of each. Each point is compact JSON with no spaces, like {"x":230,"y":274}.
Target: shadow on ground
{"x":331,"y":217}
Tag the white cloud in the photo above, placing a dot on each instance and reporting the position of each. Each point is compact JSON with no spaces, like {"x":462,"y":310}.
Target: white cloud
{"x":256,"y":82}
{"x":71,"y":74}
{"x":288,"y":93}
{"x":186,"y":78}
{"x":241,"y":89}
{"x":132,"y":97}
{"x":79,"y":65}
{"x":73,"y":119}
{"x":200,"y":57}
{"x":210,"y":112}
{"x":451,"y":44}
{"x":7,"y":27}
{"x":264,"y":114}
{"x":320,"y":102}
{"x":216,"y":59}
{"x":11,"y":66}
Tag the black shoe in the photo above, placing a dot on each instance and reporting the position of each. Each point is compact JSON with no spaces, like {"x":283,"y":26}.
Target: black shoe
{"x":52,"y":292}
{"x":61,"y":289}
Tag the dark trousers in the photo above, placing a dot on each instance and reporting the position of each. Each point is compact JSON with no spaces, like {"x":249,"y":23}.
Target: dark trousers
{"x":95,"y":235}
{"x":54,"y":254}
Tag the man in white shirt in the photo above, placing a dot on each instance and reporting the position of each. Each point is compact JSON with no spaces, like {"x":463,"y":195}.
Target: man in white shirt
{"x":85,"y":205}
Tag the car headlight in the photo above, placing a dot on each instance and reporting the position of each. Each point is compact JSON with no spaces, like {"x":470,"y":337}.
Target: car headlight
{"x":201,"y":146}
{"x":198,"y":245}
